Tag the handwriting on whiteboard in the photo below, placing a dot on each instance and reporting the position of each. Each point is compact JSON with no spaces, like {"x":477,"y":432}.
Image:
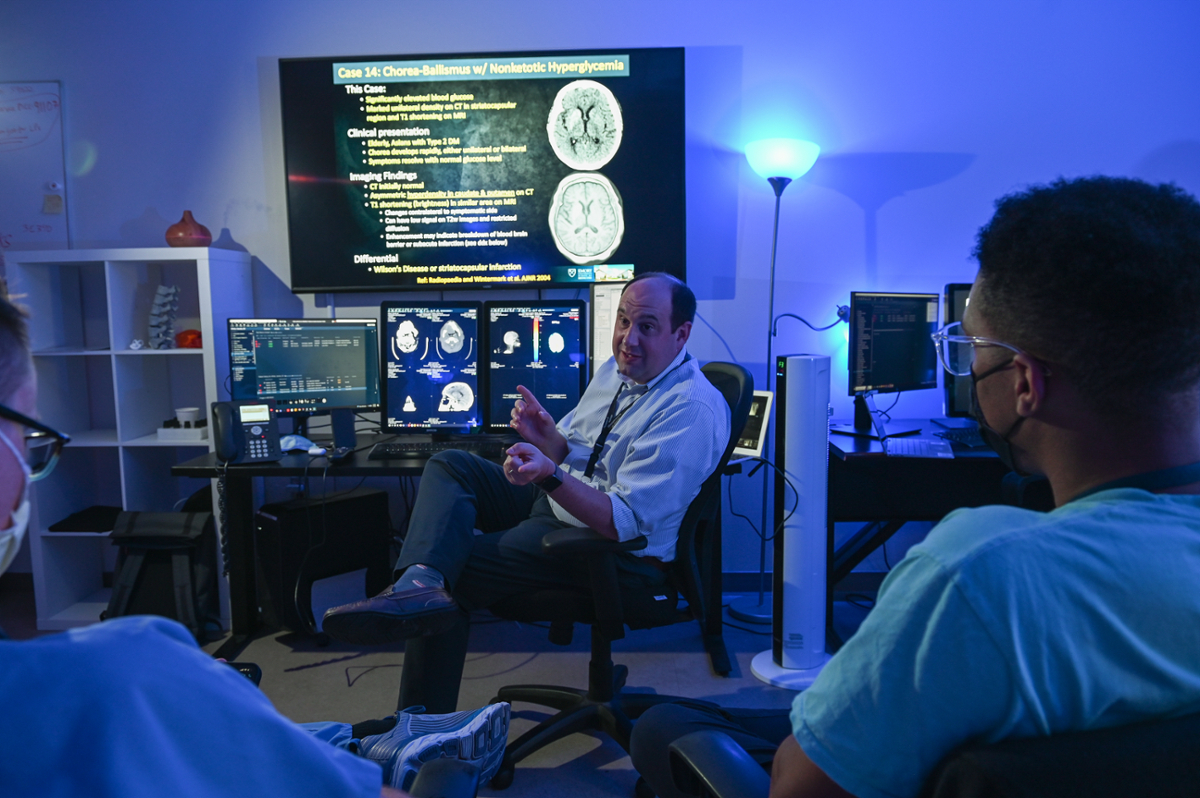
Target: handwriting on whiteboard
{"x":27,"y":116}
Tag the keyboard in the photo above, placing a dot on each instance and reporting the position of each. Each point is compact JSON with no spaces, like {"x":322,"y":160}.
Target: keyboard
{"x":969,"y":437}
{"x":492,"y":449}
{"x":917,"y":447}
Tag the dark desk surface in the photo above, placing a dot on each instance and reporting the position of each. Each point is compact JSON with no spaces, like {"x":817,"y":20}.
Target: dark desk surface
{"x":867,"y":485}
{"x":207,"y":466}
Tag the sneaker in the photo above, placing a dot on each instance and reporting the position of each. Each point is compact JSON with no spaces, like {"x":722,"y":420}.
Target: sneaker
{"x":476,"y":736}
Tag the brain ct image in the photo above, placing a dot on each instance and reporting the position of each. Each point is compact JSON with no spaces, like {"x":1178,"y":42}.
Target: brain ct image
{"x":556,"y":343}
{"x":585,"y":125}
{"x":587,"y":218}
{"x":511,"y":341}
{"x":457,"y":397}
{"x":406,"y":337}
{"x":451,"y":337}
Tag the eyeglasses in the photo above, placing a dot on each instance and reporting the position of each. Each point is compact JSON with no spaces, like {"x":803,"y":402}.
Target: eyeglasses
{"x":957,"y":351}
{"x":43,"y":444}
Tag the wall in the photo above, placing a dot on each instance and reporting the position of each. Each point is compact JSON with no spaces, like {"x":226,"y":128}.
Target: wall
{"x":926,"y":111}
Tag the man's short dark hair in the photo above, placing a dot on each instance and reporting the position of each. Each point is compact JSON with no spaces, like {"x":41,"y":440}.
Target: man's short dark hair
{"x":683,"y":301}
{"x":1099,"y":277}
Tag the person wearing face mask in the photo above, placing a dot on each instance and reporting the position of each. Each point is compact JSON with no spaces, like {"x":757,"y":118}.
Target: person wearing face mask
{"x":1082,"y":338}
{"x":133,"y":707}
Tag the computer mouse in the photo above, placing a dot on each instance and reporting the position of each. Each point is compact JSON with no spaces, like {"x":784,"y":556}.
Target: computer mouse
{"x":316,"y":451}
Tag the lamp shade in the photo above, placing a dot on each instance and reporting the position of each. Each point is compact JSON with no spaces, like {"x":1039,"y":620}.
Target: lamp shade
{"x":788,"y":158}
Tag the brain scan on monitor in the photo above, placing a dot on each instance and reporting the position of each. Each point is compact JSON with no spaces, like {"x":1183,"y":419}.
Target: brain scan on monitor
{"x":451,"y":337}
{"x":430,"y":375}
{"x":512,"y":340}
{"x":457,"y":397}
{"x":406,"y":337}
{"x":556,"y":343}
{"x":585,"y":125}
{"x":587,"y":218}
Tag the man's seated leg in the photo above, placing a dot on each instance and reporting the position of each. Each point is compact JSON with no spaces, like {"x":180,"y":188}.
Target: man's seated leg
{"x":459,"y":492}
{"x":758,"y":731}
{"x":501,"y":565}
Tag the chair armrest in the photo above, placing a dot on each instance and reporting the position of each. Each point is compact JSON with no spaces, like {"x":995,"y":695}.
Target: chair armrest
{"x":575,"y":541}
{"x":710,"y":763}
{"x":445,"y":778}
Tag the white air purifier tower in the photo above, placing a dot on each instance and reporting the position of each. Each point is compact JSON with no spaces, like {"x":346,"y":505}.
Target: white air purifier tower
{"x":798,"y":653}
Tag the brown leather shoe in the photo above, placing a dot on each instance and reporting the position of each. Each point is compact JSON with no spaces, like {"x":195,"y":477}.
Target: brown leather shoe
{"x":392,"y":616}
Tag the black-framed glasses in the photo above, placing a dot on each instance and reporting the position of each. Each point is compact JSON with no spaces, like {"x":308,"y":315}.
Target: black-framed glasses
{"x":957,"y":351}
{"x":43,"y":444}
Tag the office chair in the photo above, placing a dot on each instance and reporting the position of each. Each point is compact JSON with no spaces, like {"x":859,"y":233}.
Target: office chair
{"x":1156,"y":757}
{"x":695,"y":573}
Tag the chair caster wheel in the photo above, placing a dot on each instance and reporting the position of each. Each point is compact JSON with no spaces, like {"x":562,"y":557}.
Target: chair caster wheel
{"x":503,"y":778}
{"x":643,"y":790}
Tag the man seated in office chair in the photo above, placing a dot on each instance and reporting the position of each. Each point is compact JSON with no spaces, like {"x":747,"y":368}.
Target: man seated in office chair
{"x":625,"y":462}
{"x":1082,"y":340}
{"x":133,"y":707}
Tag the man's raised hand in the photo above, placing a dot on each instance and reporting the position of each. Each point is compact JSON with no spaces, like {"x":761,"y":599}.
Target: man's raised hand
{"x":531,"y":420}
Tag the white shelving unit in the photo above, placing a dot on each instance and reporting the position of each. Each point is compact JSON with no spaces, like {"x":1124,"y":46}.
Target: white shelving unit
{"x":86,"y":307}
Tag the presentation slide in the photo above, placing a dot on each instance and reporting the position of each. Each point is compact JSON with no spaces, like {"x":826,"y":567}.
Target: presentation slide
{"x":457,"y":172}
{"x":431,"y":366}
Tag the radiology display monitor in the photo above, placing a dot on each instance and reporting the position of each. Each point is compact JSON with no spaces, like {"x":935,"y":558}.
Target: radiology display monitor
{"x":890,"y":345}
{"x":477,"y":170}
{"x":305,"y":365}
{"x":540,"y":345}
{"x":430,"y":366}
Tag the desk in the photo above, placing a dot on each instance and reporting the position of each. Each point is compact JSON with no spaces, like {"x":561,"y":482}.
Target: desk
{"x":239,"y":534}
{"x":239,"y":503}
{"x":886,"y":492}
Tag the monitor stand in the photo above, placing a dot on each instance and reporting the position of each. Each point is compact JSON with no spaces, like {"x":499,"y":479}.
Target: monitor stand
{"x":341,"y":423}
{"x":869,"y":423}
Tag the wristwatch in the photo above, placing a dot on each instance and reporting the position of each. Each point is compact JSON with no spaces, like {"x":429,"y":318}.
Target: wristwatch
{"x":550,"y":483}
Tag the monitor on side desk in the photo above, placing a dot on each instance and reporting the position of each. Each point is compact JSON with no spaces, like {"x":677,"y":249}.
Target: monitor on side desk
{"x":957,"y":389}
{"x":308,"y":366}
{"x":890,"y":351}
{"x":539,"y":345}
{"x":430,"y":358}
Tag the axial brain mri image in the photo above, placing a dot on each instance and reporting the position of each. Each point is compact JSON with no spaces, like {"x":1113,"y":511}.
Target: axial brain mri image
{"x":585,"y":124}
{"x":587,"y":218}
{"x":557,"y":344}
{"x":457,"y":397}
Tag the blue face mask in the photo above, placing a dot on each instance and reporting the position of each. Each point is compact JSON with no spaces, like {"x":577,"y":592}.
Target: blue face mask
{"x":1000,"y":443}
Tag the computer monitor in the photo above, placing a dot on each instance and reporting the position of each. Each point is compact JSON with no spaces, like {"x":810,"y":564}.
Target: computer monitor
{"x":890,"y":345}
{"x":540,"y":345}
{"x":306,"y":365}
{"x":430,"y":366}
{"x":958,"y":389}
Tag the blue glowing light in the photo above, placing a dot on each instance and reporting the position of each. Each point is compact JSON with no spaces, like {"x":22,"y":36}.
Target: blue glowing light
{"x":788,"y":158}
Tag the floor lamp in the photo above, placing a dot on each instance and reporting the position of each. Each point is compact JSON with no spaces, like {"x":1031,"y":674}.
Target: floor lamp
{"x":780,"y":161}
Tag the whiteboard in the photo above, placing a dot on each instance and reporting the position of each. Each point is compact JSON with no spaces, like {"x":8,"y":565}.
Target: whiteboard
{"x":33,"y":202}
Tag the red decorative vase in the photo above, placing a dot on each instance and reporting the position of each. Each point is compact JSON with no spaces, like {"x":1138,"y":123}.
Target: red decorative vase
{"x":187,"y":232}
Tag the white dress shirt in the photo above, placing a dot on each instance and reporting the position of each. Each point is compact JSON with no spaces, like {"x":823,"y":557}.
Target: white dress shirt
{"x":667,"y":440}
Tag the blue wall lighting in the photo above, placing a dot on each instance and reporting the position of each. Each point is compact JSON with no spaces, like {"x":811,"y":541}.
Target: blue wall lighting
{"x":788,"y":158}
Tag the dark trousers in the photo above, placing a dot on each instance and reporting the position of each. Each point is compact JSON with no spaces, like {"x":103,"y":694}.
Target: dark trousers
{"x":461,"y":492}
{"x":758,"y":731}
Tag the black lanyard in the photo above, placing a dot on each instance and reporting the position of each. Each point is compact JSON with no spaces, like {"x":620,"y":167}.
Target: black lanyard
{"x":610,"y":421}
{"x":1152,"y":480}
